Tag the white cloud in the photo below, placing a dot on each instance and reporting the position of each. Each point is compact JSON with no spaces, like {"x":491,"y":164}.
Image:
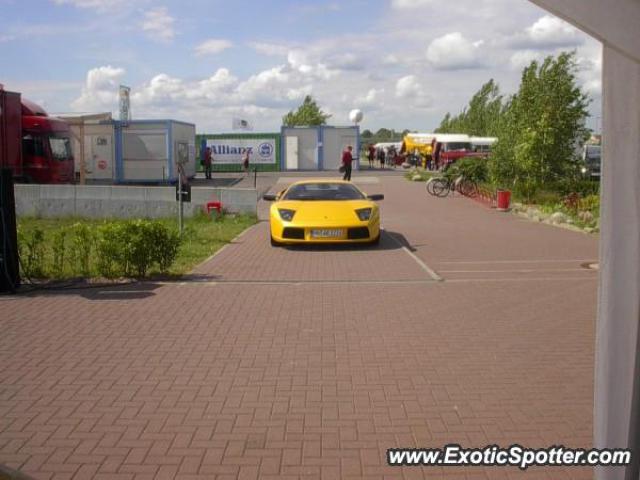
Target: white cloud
{"x":390,"y":59}
{"x":220,"y":85}
{"x":551,"y":31}
{"x":523,"y":58}
{"x":454,"y":52}
{"x":212,"y":46}
{"x":548,"y":32}
{"x":276,"y":87}
{"x":302,"y":61}
{"x":270,"y":49}
{"x":95,"y":4}
{"x":590,"y":70}
{"x":7,"y":38}
{"x":409,"y":88}
{"x":159,"y":24}
{"x":160,"y":91}
{"x":100,"y":92}
{"x":407,"y":4}
{"x":372,"y":98}
{"x":165,"y":91}
{"x":345,"y":61}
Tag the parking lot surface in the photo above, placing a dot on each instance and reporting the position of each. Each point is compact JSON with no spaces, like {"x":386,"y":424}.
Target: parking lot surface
{"x":465,"y":326}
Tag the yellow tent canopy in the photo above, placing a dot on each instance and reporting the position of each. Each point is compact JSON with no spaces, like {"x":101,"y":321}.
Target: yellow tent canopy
{"x":418,"y":141}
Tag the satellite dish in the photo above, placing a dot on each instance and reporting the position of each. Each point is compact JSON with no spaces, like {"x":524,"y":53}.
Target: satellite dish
{"x":356,"y":116}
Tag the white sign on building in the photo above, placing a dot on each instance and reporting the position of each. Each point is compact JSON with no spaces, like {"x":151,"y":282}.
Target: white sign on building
{"x":231,"y":150}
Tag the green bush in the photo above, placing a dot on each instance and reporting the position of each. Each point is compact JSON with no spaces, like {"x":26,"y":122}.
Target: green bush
{"x":32,"y":252}
{"x":545,"y":197}
{"x":133,"y":247}
{"x":83,"y":241}
{"x":110,"y":247}
{"x":166,"y":244}
{"x":475,"y":169}
{"x":58,"y":249}
{"x":582,"y":187}
{"x":590,"y":203}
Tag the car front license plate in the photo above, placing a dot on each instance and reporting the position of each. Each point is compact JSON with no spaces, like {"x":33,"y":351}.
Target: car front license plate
{"x":327,"y":233}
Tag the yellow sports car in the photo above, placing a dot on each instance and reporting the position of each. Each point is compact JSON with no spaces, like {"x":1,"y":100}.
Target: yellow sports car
{"x":324,"y":211}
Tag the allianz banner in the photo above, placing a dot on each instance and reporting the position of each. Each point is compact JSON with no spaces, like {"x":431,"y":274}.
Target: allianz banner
{"x":231,"y":150}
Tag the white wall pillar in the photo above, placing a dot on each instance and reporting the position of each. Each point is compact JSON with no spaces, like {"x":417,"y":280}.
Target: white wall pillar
{"x":617,"y":331}
{"x":617,"y":373}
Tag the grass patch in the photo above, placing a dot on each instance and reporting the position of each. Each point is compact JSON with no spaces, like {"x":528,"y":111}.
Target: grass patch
{"x":203,"y":237}
{"x":40,"y":244}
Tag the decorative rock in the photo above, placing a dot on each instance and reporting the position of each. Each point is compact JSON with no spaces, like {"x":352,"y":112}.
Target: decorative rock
{"x":416,"y":178}
{"x":558,"y":217}
{"x":586,"y":216}
{"x":531,"y":212}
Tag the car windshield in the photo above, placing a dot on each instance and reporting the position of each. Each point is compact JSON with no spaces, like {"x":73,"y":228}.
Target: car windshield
{"x":323,"y":191}
{"x":60,"y":148}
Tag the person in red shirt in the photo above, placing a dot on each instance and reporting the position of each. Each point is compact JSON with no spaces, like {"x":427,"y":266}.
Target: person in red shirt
{"x":371,"y":155}
{"x":347,"y":159}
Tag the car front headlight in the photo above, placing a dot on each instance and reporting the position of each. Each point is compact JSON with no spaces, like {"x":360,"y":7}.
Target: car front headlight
{"x":286,"y":214}
{"x":364,"y":214}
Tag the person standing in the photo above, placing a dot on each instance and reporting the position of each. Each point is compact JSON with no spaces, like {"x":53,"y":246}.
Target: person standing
{"x":391,"y":156}
{"x":206,"y":162}
{"x":347,"y":159}
{"x":245,"y":161}
{"x":381,"y":156}
{"x":371,"y":155}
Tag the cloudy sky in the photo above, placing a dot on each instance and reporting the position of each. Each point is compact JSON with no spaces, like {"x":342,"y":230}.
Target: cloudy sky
{"x":405,"y":63}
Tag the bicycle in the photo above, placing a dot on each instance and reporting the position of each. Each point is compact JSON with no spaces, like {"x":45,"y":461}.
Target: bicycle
{"x":443,"y":186}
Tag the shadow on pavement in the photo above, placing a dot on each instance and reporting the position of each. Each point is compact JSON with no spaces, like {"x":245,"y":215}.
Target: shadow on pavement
{"x":107,"y":291}
{"x":388,"y":241}
{"x":400,"y":240}
{"x":7,"y":473}
{"x":125,"y":290}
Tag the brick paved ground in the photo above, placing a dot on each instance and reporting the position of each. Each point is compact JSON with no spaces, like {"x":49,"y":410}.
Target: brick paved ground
{"x":239,"y":375}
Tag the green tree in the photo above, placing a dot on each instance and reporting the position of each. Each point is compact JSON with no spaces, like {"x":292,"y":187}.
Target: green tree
{"x":485,"y":108}
{"x":541,"y":127}
{"x":481,"y":117}
{"x":307,"y":114}
{"x":445,"y":124}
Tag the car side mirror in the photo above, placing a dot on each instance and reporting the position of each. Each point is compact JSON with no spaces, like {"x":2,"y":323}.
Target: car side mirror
{"x":269,"y":197}
{"x":376,"y":197}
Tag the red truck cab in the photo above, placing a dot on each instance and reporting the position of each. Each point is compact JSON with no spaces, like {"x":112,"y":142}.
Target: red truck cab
{"x":46,"y":147}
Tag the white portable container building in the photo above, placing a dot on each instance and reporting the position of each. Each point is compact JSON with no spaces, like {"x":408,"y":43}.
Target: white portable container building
{"x":137,"y":151}
{"x":149,"y":151}
{"x":317,"y":147}
{"x":93,"y":145}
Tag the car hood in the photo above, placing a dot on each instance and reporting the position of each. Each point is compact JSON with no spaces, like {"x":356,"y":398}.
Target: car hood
{"x":339,"y":210}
